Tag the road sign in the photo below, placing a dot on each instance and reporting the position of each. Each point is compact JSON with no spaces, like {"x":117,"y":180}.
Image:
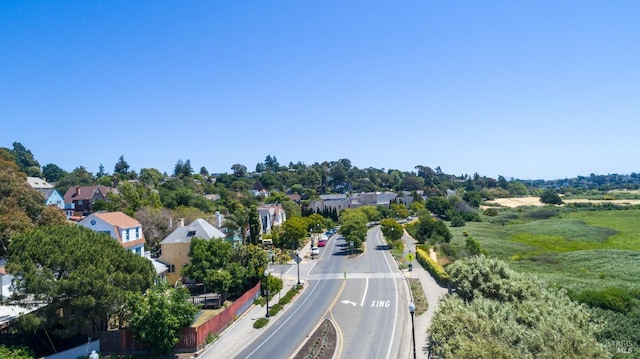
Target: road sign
{"x":297,"y":259}
{"x":410,"y":257}
{"x":351,"y":243}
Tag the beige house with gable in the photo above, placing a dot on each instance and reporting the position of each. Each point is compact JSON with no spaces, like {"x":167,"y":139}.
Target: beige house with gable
{"x":176,"y":247}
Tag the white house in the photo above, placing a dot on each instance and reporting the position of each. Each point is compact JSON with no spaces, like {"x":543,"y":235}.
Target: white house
{"x":126,"y":230}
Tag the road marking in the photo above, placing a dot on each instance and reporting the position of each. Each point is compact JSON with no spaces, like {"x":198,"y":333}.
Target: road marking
{"x":364,"y":295}
{"x":328,"y":276}
{"x":313,"y":265}
{"x":395,"y":312}
{"x":330,"y":314}
{"x":348,"y":302}
{"x":285,"y":322}
{"x":380,"y":303}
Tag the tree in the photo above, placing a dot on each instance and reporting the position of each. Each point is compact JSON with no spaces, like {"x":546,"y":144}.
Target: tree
{"x":121,"y":167}
{"x":25,"y":160}
{"x":391,"y":229}
{"x":399,"y":210}
{"x":150,"y":177}
{"x":431,"y":229}
{"x":158,"y":315}
{"x":439,"y":206}
{"x":316,"y":223}
{"x":51,"y":215}
{"x":255,"y":226}
{"x":498,"y":313}
{"x":81,"y":276}
{"x":271,"y":164}
{"x":353,"y":226}
{"x":293,"y":230}
{"x":223,"y":268}
{"x":550,"y":197}
{"x":473,"y":198}
{"x":7,"y":160}
{"x":206,"y":255}
{"x":53,"y":173}
{"x":20,"y":205}
{"x":155,"y":222}
{"x":239,"y":170}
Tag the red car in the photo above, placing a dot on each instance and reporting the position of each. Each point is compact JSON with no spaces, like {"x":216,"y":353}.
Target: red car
{"x":322,"y":243}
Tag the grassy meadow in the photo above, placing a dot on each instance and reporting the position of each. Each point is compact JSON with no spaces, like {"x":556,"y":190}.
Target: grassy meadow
{"x":570,"y":248}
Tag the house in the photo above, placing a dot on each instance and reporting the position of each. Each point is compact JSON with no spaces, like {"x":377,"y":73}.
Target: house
{"x":51,"y":196}
{"x":126,"y":230}
{"x":271,"y":215}
{"x":376,"y":198}
{"x":176,"y":247}
{"x":84,"y":197}
{"x":38,"y":183}
{"x":335,"y":202}
{"x":9,"y":314}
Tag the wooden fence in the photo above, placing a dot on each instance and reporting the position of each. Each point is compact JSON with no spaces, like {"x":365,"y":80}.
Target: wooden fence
{"x":191,"y":339}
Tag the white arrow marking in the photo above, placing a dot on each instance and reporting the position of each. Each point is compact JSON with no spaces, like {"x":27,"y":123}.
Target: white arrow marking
{"x":348,"y":302}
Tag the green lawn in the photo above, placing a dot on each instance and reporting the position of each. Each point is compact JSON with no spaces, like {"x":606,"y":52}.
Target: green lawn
{"x":579,"y":250}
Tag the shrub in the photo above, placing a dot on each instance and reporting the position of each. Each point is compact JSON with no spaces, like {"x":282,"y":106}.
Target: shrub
{"x":448,"y":250}
{"x":433,"y":267}
{"x":542,"y":213}
{"x":457,"y":221}
{"x":474,"y":247}
{"x":260,"y":322}
{"x":619,"y":300}
{"x":275,"y":309}
{"x":490,"y":212}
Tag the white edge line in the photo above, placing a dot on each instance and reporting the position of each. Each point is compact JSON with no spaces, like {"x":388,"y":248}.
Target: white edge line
{"x":395,"y":318}
{"x":285,"y":322}
{"x":395,"y":315}
{"x":364,"y":295}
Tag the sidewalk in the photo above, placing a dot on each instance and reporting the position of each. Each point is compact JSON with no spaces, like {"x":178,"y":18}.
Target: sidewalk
{"x":432,"y":290}
{"x":239,"y":334}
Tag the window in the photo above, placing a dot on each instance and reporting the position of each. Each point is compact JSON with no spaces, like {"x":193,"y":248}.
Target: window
{"x":191,"y":233}
{"x":172,"y":268}
{"x":137,"y":232}
{"x":127,"y":234}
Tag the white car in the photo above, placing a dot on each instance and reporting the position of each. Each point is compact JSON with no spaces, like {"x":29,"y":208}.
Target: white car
{"x":315,"y":251}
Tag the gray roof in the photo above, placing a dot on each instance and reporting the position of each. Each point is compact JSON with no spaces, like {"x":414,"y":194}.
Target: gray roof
{"x":330,"y":197}
{"x":36,"y":182}
{"x":198,"y":228}
{"x":385,"y":197}
{"x":46,"y":192}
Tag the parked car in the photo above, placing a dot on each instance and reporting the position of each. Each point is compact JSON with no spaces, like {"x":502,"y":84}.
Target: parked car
{"x":322,"y":243}
{"x":315,"y":251}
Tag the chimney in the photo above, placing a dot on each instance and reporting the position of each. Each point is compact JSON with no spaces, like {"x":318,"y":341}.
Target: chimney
{"x":170,"y":222}
{"x":181,"y":222}
{"x":77,"y":191}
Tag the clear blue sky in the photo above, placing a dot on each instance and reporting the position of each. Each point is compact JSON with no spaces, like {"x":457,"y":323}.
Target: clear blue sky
{"x":523,"y":89}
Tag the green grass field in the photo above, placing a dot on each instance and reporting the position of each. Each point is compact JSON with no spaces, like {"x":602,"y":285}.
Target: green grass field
{"x":577,"y":249}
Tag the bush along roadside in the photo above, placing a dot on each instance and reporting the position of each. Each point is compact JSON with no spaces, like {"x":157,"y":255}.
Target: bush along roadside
{"x":276,"y":308}
{"x":433,"y":267}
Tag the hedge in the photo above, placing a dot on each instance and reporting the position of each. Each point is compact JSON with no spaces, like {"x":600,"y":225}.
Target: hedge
{"x":433,"y":267}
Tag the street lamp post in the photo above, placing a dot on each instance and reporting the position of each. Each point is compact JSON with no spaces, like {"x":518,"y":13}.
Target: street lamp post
{"x":298,"y":263}
{"x":412,"y":310}
{"x":266,"y":288}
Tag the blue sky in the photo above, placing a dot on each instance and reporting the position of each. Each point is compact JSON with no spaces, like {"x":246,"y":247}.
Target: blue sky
{"x":523,"y":89}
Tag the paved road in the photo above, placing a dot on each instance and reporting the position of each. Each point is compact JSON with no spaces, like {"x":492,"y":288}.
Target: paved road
{"x":283,"y":339}
{"x":371,"y":310}
{"x":368,"y":308}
